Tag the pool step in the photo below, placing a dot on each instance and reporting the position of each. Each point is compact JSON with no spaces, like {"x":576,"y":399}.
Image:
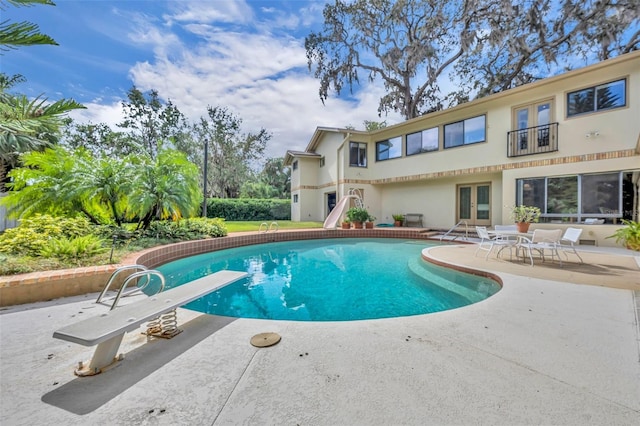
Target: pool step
{"x":418,"y":267}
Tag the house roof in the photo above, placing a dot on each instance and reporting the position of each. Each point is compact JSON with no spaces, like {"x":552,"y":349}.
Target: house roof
{"x":290,"y":155}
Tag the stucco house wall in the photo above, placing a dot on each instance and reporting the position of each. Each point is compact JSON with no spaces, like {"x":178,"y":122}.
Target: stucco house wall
{"x":428,"y":183}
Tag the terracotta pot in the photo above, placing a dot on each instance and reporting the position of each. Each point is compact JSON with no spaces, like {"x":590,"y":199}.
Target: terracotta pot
{"x":368,"y":225}
{"x":357,"y":225}
{"x":523,"y":226}
{"x":397,"y":223}
{"x":346,"y":225}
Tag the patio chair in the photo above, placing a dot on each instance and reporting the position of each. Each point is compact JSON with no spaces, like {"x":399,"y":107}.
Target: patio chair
{"x":569,"y":239}
{"x":541,"y":240}
{"x":487,"y":242}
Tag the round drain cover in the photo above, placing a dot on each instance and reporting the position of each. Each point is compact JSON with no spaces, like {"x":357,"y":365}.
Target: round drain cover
{"x":264,"y":340}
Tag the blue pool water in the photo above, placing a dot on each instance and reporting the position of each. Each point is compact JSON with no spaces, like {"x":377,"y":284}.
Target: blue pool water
{"x":330,"y":280}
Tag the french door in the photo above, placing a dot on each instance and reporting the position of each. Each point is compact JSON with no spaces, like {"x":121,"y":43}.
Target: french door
{"x":474,"y":204}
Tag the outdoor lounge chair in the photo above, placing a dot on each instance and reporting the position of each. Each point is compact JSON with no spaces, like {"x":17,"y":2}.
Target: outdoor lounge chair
{"x":569,"y":239}
{"x":542,"y":239}
{"x":487,"y":242}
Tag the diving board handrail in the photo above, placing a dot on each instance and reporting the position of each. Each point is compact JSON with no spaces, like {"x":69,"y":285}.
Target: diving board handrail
{"x":466,"y":231}
{"x":115,"y":274}
{"x":146,"y":273}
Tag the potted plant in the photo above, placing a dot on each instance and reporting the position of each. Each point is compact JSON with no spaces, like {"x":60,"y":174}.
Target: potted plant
{"x":398,"y":219}
{"x":629,"y":235}
{"x":346,"y":223}
{"x":524,"y":216}
{"x":357,"y":216}
{"x":369,"y":223}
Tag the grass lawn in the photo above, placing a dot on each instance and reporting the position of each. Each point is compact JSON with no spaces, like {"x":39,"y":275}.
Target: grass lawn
{"x":282,"y":224}
{"x":12,"y":264}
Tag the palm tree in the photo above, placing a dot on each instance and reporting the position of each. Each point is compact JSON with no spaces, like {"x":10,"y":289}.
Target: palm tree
{"x":23,"y":33}
{"x":27,"y":125}
{"x":166,"y":187}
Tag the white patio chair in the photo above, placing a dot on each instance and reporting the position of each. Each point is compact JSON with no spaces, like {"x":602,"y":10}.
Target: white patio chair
{"x":487,"y":242}
{"x":569,"y":239}
{"x":542,"y":239}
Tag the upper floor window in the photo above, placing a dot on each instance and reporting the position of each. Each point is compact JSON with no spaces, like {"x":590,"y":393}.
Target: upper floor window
{"x":391,"y":148}
{"x":357,"y":154}
{"x":295,"y":165}
{"x":424,"y":141}
{"x":597,"y":98}
{"x":321,"y":161}
{"x":465,"y":132}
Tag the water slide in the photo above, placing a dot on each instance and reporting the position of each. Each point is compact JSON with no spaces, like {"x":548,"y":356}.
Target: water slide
{"x":332,"y":220}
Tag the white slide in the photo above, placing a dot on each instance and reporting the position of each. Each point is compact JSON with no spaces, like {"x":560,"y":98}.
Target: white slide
{"x":332,"y":220}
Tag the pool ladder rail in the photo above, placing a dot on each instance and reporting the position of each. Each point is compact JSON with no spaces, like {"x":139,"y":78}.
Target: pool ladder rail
{"x":264,"y":227}
{"x":165,"y":325}
{"x":141,"y":271}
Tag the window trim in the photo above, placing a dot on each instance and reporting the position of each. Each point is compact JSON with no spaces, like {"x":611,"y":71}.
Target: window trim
{"x":361,"y":146}
{"x":421,"y":133}
{"x":444,"y":131}
{"x":624,"y":79}
{"x":392,"y":144}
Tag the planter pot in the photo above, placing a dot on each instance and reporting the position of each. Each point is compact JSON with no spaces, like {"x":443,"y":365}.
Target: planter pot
{"x":523,"y":226}
{"x":397,"y":223}
{"x":368,"y":225}
{"x":357,"y":225}
{"x":346,"y":225}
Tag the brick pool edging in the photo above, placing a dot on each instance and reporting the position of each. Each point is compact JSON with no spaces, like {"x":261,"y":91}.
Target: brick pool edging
{"x":48,"y":285}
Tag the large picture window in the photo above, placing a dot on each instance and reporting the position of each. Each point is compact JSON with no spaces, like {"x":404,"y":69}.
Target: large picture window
{"x":465,"y":132}
{"x":357,"y":154}
{"x":391,"y":148}
{"x":597,"y":98}
{"x":424,"y":141}
{"x":597,"y":195}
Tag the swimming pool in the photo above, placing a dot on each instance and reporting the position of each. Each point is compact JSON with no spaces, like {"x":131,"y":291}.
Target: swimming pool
{"x":338,"y":279}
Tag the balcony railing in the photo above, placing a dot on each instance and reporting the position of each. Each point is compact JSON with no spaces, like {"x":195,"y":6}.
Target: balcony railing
{"x":532,"y":140}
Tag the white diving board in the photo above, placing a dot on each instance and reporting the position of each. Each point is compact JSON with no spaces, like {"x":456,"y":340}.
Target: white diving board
{"x":107,"y":330}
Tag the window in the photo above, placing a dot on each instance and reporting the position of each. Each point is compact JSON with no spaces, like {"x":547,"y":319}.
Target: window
{"x":391,"y":148}
{"x":578,"y":196}
{"x":466,"y":132}
{"x":321,"y":161}
{"x":357,"y":154}
{"x":295,"y":198}
{"x":424,"y":141}
{"x":598,"y":98}
{"x":295,"y":165}
{"x":532,"y":125}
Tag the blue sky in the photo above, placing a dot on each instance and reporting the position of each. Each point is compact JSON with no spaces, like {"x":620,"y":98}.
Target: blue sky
{"x":248,"y":56}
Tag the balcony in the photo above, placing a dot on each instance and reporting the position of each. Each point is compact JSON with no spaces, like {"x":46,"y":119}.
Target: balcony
{"x":532,"y":140}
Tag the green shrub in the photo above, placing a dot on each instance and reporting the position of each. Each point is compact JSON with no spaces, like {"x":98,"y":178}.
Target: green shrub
{"x":243,"y":209}
{"x":186,"y":229}
{"x":33,"y":234}
{"x":74,"y":249}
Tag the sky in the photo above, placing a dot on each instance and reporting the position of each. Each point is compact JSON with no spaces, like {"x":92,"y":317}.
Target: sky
{"x":246,"y":55}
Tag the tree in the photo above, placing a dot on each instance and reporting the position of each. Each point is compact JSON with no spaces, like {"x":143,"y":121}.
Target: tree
{"x":27,"y":125}
{"x":277,"y":176}
{"x":407,"y":43}
{"x":99,"y":138}
{"x":231,"y":153}
{"x":23,"y":33}
{"x":529,"y":38}
{"x":151,"y":124}
{"x":164,"y":187}
{"x":492,"y":45}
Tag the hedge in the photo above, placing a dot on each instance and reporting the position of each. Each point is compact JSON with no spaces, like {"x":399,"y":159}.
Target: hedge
{"x":234,"y":209}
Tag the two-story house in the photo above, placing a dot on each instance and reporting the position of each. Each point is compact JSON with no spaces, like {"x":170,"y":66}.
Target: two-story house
{"x":569,"y":144}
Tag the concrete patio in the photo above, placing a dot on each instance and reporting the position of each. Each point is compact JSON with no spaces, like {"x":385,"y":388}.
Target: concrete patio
{"x":540,"y":351}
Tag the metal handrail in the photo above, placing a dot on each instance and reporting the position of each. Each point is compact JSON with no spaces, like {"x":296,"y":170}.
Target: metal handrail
{"x":268,"y":228}
{"x":116,"y":273}
{"x":466,"y":230}
{"x":134,"y":276}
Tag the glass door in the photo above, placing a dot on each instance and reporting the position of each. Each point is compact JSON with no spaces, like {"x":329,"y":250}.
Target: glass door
{"x":474,"y":204}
